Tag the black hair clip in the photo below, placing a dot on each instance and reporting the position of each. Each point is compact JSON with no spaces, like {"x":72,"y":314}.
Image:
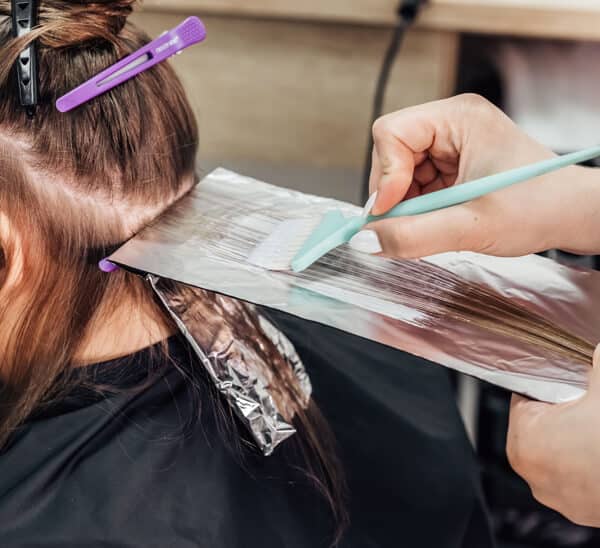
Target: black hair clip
{"x":24,"y":18}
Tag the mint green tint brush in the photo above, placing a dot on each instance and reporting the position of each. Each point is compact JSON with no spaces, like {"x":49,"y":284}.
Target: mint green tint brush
{"x":295,"y":244}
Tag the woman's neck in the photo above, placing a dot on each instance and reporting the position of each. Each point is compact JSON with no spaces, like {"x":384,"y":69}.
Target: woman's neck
{"x":124,"y":330}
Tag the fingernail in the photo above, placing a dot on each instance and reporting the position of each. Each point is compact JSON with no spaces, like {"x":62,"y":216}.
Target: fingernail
{"x":369,"y":205}
{"x":107,"y":266}
{"x":366,"y":241}
{"x":596,"y":358}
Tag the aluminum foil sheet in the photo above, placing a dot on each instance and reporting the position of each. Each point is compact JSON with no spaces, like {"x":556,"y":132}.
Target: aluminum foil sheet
{"x":415,"y":306}
{"x":227,"y":347}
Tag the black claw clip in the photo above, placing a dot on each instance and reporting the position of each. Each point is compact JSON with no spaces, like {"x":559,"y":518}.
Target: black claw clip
{"x":24,"y":18}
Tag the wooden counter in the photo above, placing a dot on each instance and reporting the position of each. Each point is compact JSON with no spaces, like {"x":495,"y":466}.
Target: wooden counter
{"x":572,"y":19}
{"x":298,"y":94}
{"x":288,"y":84}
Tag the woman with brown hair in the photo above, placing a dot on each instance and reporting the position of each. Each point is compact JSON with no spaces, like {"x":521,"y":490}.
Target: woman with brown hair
{"x":111,"y":432}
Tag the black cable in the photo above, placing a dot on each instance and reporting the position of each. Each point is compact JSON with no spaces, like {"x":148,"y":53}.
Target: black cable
{"x":407,"y":13}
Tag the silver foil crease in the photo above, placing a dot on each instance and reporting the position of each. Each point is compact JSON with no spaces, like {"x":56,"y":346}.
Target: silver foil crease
{"x":232,"y":363}
{"x":205,"y":239}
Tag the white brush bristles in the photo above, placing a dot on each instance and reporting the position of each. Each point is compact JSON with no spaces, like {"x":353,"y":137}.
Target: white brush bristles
{"x":277,"y":250}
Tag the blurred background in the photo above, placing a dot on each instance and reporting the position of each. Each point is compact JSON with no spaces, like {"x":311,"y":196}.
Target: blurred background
{"x":284,"y":91}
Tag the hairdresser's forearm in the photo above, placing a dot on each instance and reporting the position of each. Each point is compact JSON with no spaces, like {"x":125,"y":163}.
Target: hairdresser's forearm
{"x":577,"y":223}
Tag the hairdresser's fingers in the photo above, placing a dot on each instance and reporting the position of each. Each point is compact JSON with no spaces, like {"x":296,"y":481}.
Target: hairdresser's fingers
{"x":405,"y":138}
{"x":397,"y":164}
{"x":458,"y":228}
{"x":375,"y":175}
{"x":376,"y":170}
{"x":447,"y":167}
{"x":413,"y":191}
{"x":425,"y":172}
{"x":527,"y":441}
{"x":434,"y":186}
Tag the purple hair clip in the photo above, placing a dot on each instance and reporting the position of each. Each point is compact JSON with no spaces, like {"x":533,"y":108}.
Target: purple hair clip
{"x":188,"y":33}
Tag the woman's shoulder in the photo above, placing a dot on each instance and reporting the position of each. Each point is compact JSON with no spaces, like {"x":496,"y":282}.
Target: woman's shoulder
{"x":403,"y":451}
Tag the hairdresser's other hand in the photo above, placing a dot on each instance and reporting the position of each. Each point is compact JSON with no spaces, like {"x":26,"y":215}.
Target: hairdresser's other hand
{"x":556,"y":449}
{"x":428,"y":147}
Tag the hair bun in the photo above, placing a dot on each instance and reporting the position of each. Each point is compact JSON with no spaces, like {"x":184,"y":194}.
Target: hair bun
{"x":73,"y":22}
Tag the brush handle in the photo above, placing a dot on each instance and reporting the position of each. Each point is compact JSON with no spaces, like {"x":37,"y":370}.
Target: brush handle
{"x":340,"y":233}
{"x":466,"y":192}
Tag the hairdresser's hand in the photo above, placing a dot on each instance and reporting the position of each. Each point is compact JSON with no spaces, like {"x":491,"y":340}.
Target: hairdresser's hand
{"x":556,"y":449}
{"x":428,"y":147}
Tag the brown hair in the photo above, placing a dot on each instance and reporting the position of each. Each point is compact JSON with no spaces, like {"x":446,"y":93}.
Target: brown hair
{"x":75,"y":185}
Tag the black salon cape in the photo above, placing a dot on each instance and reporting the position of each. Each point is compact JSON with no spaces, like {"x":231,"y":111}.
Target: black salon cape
{"x":121,"y":472}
